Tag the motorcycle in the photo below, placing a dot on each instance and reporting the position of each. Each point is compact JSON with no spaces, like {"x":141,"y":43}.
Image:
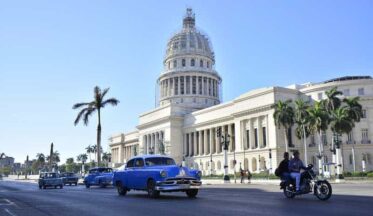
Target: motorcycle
{"x":308,"y":184}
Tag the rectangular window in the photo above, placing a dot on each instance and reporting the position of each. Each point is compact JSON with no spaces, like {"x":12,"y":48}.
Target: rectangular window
{"x":194,"y":85}
{"x":349,"y":137}
{"x":364,"y":134}
{"x":171,"y":86}
{"x":360,"y":91}
{"x":209,"y":86}
{"x":364,"y":113}
{"x":200,"y":85}
{"x":187,"y":84}
{"x":346,"y":92}
{"x":256,"y":137}
{"x":247,"y":139}
{"x":264,"y":137}
{"x":176,"y":85}
{"x":182,"y":85}
{"x":319,"y":96}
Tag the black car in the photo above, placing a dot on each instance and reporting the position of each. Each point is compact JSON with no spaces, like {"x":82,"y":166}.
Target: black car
{"x":69,"y":178}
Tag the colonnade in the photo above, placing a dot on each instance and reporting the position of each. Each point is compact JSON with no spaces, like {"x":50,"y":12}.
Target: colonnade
{"x":204,"y":142}
{"x":152,"y":142}
{"x":189,"y":85}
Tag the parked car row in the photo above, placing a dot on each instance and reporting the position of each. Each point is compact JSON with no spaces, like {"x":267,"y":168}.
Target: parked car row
{"x":151,"y":173}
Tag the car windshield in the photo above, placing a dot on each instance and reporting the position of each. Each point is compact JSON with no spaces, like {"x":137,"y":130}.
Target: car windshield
{"x":69,"y":174}
{"x":50,"y":175}
{"x":156,"y":161}
{"x":105,"y":170}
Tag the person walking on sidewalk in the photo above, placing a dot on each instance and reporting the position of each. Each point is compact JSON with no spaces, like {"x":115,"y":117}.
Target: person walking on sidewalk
{"x":248,"y":176}
{"x":242,"y":174}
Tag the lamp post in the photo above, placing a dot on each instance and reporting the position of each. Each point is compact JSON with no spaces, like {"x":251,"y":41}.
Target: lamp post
{"x":151,"y":150}
{"x":225,"y":145}
{"x":211,"y":163}
{"x":270,"y":161}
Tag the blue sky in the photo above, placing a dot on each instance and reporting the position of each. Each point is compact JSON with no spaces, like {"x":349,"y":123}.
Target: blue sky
{"x":52,"y":54}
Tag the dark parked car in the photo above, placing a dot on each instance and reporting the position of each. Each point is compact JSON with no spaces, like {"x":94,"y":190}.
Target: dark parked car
{"x":50,"y":179}
{"x":69,"y":178}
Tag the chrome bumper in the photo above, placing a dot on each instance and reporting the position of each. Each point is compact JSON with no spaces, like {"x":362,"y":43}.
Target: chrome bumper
{"x":178,"y":185}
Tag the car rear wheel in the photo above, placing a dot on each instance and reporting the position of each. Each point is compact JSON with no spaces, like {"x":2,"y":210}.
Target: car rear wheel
{"x":55,"y":186}
{"x":122,"y":191}
{"x":69,"y":184}
{"x":40,"y":187}
{"x":192,"y":193}
{"x":87,"y":185}
{"x":44,"y":187}
{"x":61,"y":186}
{"x":152,"y":192}
{"x":102,"y":185}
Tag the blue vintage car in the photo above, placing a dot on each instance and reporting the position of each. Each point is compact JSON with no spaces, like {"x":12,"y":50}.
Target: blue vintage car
{"x":49,"y":179}
{"x":155,"y":174}
{"x":101,"y":176}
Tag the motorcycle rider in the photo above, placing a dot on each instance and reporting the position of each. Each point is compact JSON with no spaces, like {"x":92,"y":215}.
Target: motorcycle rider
{"x":295,"y":165}
{"x":283,"y":169}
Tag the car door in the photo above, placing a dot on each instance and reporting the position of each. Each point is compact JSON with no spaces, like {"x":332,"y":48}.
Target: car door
{"x":128,"y":176}
{"x":139,"y":174}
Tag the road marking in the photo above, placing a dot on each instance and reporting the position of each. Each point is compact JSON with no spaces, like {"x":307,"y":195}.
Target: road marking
{"x":6,"y":202}
{"x":9,"y":212}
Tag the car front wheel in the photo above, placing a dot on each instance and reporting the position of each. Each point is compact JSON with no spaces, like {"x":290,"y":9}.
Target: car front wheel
{"x":192,"y":193}
{"x":152,"y":192}
{"x":61,"y":186}
{"x":87,"y":185}
{"x":122,"y":191}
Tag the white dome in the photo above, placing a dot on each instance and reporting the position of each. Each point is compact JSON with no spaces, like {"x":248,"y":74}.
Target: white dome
{"x":189,"y":75}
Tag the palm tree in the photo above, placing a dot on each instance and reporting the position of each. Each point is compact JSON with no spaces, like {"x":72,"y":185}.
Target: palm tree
{"x":318,"y":122}
{"x":106,"y":157}
{"x":89,"y":150}
{"x":40,"y":158}
{"x":340,"y":123}
{"x":90,"y":107}
{"x":83,"y":159}
{"x":332,"y":100}
{"x":355,"y":110}
{"x":284,"y":116}
{"x":302,"y":118}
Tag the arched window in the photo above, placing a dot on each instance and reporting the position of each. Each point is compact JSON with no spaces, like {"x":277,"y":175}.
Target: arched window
{"x":192,"y":62}
{"x":253,"y":165}
{"x":175,"y":63}
{"x":201,"y":63}
{"x":183,"y":62}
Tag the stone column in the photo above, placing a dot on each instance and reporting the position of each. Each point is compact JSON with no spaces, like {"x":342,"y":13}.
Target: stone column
{"x":218,"y":141}
{"x":260,"y":132}
{"x":200,"y":143}
{"x":205,"y":142}
{"x":190,"y":144}
{"x":230,"y":132}
{"x":252,"y":133}
{"x":212,"y":141}
{"x":195,"y":143}
{"x":203,"y":85}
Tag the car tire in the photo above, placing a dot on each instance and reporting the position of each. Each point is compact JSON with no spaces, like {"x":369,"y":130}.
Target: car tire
{"x":55,"y":187}
{"x":44,"y":187}
{"x":122,"y":190}
{"x":87,"y":185}
{"x":69,"y":184}
{"x":192,"y":193}
{"x":76,"y":183}
{"x":152,"y":192}
{"x":61,"y":186}
{"x":102,"y":185}
{"x":40,"y":187}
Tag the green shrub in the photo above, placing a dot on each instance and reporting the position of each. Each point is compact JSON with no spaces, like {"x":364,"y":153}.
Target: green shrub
{"x":370,"y":174}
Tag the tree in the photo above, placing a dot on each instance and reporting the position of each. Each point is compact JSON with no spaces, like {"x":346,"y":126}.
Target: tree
{"x":89,"y":150}
{"x":51,"y":157}
{"x":302,"y":119}
{"x":83,"y":159}
{"x":355,"y":110}
{"x":88,"y":108}
{"x":70,"y":164}
{"x":106,"y":157}
{"x":332,"y":100}
{"x":318,"y":122}
{"x":284,"y":116}
{"x":40,"y":159}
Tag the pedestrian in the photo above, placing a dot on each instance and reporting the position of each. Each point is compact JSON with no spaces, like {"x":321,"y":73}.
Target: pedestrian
{"x":248,"y":176}
{"x":242,"y":174}
{"x":283,"y":170}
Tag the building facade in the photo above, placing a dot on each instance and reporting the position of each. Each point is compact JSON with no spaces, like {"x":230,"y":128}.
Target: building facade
{"x":190,"y":112}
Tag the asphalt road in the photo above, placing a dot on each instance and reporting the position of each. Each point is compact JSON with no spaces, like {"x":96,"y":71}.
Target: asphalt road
{"x":18,"y":199}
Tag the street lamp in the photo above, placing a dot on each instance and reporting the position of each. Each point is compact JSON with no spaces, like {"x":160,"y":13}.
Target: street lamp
{"x":270,"y":160}
{"x":225,"y":145}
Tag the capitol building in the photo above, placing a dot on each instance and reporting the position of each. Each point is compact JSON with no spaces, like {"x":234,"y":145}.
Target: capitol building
{"x":190,"y":111}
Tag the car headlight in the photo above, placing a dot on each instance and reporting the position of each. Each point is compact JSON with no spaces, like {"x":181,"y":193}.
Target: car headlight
{"x":163,"y":174}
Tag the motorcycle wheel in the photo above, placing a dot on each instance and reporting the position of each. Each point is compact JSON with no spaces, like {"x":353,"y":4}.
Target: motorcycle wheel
{"x":289,"y":191}
{"x":323,"y":190}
